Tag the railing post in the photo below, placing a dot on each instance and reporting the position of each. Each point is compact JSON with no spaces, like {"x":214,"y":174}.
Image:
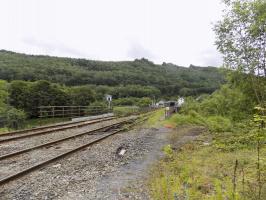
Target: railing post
{"x":53,"y":111}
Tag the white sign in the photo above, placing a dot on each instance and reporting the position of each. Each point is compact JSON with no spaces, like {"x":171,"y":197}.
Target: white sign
{"x":108,"y":97}
{"x":180,"y":101}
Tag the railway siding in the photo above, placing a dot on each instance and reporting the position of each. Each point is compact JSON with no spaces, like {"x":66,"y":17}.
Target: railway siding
{"x":31,"y":159}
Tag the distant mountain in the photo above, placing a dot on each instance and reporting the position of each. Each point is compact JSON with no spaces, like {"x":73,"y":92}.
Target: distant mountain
{"x":169,"y":78}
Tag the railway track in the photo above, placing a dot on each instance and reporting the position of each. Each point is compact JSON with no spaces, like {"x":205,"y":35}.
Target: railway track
{"x":19,"y":163}
{"x":17,"y":135}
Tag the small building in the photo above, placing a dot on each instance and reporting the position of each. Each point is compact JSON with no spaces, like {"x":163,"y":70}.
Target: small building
{"x":160,"y":104}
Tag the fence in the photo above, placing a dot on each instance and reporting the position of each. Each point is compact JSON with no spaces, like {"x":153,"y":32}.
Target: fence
{"x":71,"y":111}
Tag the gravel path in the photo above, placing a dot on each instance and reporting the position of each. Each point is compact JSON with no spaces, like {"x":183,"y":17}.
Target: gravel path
{"x":97,"y":172}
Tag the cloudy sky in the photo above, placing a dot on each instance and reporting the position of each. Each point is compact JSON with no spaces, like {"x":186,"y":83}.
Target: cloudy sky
{"x":177,"y":31}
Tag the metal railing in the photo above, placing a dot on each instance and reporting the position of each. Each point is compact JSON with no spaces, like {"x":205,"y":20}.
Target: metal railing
{"x":70,"y":111}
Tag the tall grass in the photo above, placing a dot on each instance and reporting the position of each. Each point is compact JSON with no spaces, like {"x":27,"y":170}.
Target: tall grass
{"x":213,"y":123}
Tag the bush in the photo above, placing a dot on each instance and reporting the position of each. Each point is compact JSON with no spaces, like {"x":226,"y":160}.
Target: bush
{"x":15,"y":119}
{"x":97,"y":108}
{"x":125,"y":110}
{"x":125,"y":101}
{"x":82,"y":95}
{"x":192,"y":118}
{"x":214,"y":123}
{"x":219,"y":124}
{"x":144,"y":102}
{"x":133,"y":101}
{"x":226,"y":102}
{"x":189,"y":105}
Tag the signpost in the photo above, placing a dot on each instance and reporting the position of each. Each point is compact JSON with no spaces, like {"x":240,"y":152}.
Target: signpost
{"x":109,"y":100}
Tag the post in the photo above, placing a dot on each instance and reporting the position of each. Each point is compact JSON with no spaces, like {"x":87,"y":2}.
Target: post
{"x":53,"y":111}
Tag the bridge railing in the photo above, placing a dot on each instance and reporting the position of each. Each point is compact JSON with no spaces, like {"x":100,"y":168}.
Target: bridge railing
{"x":70,"y":111}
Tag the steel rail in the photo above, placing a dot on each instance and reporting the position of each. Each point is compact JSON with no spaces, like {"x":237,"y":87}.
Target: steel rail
{"x":54,"y":130}
{"x":5,"y":156}
{"x":48,"y":126}
{"x":62,"y":155}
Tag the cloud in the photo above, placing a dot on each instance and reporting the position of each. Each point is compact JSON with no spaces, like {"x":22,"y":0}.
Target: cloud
{"x":136,"y":50}
{"x":53,"y":47}
{"x":211,"y":57}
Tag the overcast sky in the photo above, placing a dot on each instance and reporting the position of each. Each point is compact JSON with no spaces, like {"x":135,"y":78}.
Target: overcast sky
{"x":177,"y":31}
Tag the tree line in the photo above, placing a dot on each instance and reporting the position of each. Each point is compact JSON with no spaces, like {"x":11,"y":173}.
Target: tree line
{"x":27,"y":96}
{"x":170,"y":79}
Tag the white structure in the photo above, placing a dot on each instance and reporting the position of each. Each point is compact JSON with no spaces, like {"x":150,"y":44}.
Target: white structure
{"x":180,"y":102}
{"x":160,"y":104}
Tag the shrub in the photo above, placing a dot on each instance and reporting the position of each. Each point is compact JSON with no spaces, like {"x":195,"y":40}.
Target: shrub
{"x":125,"y":101}
{"x":192,"y":118}
{"x":15,"y":118}
{"x":144,"y":102}
{"x":219,"y":124}
{"x":97,"y":108}
{"x":125,"y":110}
{"x":189,"y":105}
{"x":133,"y":101}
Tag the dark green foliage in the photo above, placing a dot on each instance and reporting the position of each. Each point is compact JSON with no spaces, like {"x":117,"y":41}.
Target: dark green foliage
{"x":240,"y":37}
{"x":166,"y":79}
{"x":15,"y":118}
{"x":144,"y":102}
{"x":228,"y":102}
{"x":3,"y":95}
{"x":19,"y":94}
{"x":30,"y":95}
{"x":132,"y":101}
{"x":82,"y":95}
{"x":134,"y":91}
{"x":98,"y":108}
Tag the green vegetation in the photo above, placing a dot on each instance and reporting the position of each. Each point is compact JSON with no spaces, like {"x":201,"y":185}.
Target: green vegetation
{"x":133,"y":101}
{"x":228,"y":160}
{"x":31,"y":81}
{"x":30,"y":123}
{"x":199,"y":171}
{"x":156,"y":117}
{"x":166,"y":79}
{"x":126,"y":110}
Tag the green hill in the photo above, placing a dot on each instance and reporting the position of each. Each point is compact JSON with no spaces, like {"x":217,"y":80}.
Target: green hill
{"x":170,"y":79}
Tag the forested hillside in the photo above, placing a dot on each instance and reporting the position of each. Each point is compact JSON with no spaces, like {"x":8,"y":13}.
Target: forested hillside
{"x":168,"y":78}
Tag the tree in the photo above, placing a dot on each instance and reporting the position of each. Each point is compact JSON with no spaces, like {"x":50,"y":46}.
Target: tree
{"x":44,"y":93}
{"x":82,"y":96}
{"x":15,"y":118}
{"x":19,"y":94}
{"x":3,"y":94}
{"x":241,"y":38}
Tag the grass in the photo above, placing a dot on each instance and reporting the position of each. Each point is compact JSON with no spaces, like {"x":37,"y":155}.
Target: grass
{"x":199,"y":172}
{"x":43,"y":121}
{"x":213,"y":123}
{"x":125,"y":110}
{"x":155,"y":118}
{"x":202,"y":169}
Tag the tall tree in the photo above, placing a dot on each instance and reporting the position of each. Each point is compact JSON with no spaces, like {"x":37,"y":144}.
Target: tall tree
{"x":241,"y":38}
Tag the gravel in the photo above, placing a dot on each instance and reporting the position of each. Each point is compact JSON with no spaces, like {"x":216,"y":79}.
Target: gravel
{"x":23,"y":143}
{"x":97,"y":172}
